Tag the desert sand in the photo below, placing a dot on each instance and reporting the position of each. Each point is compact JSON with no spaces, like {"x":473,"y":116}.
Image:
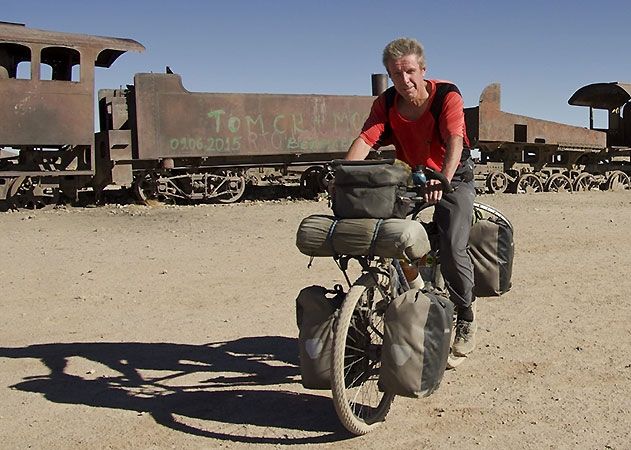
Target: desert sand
{"x":129,"y":326}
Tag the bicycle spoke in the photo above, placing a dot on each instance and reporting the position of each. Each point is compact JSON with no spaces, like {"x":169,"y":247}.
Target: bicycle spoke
{"x":358,"y":350}
{"x":348,"y":366}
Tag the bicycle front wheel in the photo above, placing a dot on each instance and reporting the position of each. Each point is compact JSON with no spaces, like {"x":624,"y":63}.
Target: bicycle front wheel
{"x":357,"y":341}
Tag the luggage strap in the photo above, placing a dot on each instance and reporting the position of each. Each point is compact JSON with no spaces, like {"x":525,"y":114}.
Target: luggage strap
{"x":373,"y":239}
{"x":329,"y":236}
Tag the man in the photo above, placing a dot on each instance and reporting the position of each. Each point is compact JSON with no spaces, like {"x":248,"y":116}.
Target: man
{"x":410,"y":125}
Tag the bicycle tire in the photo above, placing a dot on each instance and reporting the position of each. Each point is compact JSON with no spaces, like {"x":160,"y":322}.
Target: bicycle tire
{"x":359,"y":403}
{"x":494,"y":212}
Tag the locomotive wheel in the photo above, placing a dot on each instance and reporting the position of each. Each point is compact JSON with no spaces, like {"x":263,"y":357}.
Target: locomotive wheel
{"x":528,"y":183}
{"x":146,"y":187}
{"x":558,"y":183}
{"x":25,"y":193}
{"x":311,"y":182}
{"x":618,"y":181}
{"x":232,"y":187}
{"x":584,"y":182}
{"x":497,"y":182}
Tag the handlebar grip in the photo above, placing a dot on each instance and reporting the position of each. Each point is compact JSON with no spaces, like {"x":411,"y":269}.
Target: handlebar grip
{"x":433,"y":174}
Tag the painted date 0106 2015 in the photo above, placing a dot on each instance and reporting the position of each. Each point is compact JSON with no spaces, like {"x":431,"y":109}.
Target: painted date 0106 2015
{"x":235,"y":144}
{"x":209,"y":144}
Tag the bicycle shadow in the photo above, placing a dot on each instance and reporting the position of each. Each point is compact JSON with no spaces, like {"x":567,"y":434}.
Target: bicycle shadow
{"x":187,"y":387}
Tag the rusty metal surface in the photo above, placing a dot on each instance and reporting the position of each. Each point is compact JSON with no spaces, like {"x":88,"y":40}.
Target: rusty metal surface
{"x":602,"y":95}
{"x":107,"y":48}
{"x":495,"y":125}
{"x":51,"y":112}
{"x":36,"y":114}
{"x":174,"y":123}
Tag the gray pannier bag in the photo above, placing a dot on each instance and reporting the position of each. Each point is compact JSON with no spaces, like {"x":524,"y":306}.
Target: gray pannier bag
{"x":320,"y":235}
{"x":370,"y":189}
{"x":492,"y":250}
{"x":416,"y":343}
{"x":316,"y":310}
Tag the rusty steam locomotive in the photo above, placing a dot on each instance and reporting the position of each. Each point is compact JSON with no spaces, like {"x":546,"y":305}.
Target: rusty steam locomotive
{"x":165,"y":142}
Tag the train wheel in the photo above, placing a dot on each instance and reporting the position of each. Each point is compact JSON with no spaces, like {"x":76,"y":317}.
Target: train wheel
{"x":231,"y":188}
{"x":26,"y":193}
{"x":497,"y":182}
{"x":618,"y":181}
{"x":146,"y":187}
{"x":311,"y":182}
{"x":528,"y":183}
{"x":585,"y":182}
{"x":558,"y":183}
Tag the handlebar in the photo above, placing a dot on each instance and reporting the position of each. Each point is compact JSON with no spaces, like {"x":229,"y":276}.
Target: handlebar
{"x":422,"y":174}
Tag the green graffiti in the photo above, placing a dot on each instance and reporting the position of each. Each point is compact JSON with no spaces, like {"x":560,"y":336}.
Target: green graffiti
{"x":216,"y":114}
{"x":252,"y":123}
{"x":280,"y":131}
{"x":234,"y":123}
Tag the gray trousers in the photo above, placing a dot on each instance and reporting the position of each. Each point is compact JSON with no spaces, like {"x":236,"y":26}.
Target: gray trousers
{"x":452,"y":216}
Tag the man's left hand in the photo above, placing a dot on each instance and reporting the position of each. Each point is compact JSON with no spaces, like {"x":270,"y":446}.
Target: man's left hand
{"x":433,"y":192}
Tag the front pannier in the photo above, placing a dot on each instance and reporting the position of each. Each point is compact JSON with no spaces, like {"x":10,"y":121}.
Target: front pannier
{"x":416,"y":343}
{"x":370,"y":189}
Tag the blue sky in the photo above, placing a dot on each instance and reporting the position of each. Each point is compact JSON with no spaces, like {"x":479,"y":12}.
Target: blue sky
{"x":540,"y":51}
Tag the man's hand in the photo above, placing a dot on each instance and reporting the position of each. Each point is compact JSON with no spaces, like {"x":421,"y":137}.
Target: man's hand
{"x":433,"y":192}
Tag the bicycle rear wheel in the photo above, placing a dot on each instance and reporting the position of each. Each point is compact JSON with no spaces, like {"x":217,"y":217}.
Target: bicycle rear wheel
{"x":357,"y":341}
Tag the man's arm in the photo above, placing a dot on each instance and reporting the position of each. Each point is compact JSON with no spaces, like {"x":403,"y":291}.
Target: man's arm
{"x":358,"y":150}
{"x":453,"y":154}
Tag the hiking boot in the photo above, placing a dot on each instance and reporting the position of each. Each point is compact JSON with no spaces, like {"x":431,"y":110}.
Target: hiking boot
{"x":464,"y":342}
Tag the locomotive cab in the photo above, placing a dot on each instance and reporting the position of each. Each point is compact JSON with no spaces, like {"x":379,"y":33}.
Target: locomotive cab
{"x":615,"y":99}
{"x":47,"y":110}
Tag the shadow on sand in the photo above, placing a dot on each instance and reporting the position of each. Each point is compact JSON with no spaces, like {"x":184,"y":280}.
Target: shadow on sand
{"x":219,"y":382}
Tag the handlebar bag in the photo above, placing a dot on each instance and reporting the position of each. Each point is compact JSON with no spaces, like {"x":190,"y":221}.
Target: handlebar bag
{"x":417,"y":337}
{"x":370,"y":189}
{"x":316,"y":310}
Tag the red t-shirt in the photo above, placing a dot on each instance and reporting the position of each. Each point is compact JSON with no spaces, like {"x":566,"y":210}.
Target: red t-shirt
{"x":418,"y":142}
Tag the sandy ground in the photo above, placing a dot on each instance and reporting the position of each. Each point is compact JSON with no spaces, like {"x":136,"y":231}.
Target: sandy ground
{"x":173,"y":327}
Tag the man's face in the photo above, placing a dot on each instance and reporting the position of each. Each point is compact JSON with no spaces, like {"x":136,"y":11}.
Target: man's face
{"x":407,"y":76}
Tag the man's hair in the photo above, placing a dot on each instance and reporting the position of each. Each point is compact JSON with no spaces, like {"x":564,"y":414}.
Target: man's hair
{"x":403,"y":47}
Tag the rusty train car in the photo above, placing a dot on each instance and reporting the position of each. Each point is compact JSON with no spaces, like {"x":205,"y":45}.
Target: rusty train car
{"x":170,"y":143}
{"x":164,"y":142}
{"x":524,"y":154}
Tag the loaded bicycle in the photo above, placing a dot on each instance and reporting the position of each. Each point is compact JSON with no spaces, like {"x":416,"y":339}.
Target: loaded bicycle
{"x":358,"y":325}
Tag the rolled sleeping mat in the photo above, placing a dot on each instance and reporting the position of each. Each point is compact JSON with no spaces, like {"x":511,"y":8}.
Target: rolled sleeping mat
{"x":321,"y":235}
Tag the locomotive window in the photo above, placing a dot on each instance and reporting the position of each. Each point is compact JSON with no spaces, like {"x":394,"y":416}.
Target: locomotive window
{"x":601,"y":119}
{"x":15,"y":61}
{"x":60,"y":63}
{"x":559,"y":158}
{"x":530,"y":155}
{"x":23,"y":70}
{"x":520,"y":133}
